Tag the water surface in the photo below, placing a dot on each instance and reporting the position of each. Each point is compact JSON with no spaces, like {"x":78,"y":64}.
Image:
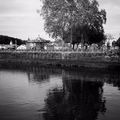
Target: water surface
{"x":37,"y":93}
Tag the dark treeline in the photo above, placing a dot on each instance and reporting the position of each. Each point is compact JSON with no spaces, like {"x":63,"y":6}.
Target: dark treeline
{"x":6,"y":40}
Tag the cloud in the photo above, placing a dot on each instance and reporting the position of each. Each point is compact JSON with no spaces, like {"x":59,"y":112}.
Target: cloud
{"x":112,"y":8}
{"x":19,"y":6}
{"x":20,"y":19}
{"x":112,"y":2}
{"x":22,"y":27}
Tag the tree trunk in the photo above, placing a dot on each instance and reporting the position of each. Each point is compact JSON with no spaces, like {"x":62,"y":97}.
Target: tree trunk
{"x":71,"y":36}
{"x":77,"y":45}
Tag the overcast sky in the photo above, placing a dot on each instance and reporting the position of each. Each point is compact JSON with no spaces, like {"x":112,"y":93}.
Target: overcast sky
{"x":18,"y":18}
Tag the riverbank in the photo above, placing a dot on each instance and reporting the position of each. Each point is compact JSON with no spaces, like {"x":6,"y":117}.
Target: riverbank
{"x":61,"y":59}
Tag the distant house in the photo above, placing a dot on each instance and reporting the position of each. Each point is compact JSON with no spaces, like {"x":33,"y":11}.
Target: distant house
{"x":50,"y":46}
{"x":37,"y":44}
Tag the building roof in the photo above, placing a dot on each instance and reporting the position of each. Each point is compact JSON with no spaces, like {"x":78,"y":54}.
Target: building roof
{"x":38,"y":40}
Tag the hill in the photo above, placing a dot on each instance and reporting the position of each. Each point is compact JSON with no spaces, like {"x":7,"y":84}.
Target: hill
{"x":6,"y":40}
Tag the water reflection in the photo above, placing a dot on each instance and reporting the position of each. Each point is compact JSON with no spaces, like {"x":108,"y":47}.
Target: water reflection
{"x":38,"y":93}
{"x":114,"y":79}
{"x":38,"y":75}
{"x":76,"y":100}
{"x":23,"y":90}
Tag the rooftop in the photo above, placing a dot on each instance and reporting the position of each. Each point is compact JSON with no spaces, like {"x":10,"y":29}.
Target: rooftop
{"x":38,"y":40}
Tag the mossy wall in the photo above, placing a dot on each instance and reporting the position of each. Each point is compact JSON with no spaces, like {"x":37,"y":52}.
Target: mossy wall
{"x":68,"y":59}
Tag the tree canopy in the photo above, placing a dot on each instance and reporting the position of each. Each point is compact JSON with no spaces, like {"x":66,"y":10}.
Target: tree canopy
{"x":117,"y":43}
{"x":6,"y":40}
{"x":74,"y":21}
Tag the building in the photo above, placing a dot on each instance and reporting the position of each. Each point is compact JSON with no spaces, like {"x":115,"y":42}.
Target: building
{"x":37,"y":44}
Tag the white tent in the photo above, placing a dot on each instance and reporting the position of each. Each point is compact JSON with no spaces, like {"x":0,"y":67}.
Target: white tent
{"x":21,"y":47}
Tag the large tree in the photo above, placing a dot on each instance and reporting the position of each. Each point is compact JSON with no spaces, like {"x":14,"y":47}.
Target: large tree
{"x":117,"y":43}
{"x":77,"y":19}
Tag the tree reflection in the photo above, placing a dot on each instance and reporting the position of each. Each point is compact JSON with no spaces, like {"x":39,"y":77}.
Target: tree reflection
{"x":41,"y":74}
{"x":38,"y":75}
{"x":114,"y":79}
{"x":76,"y":100}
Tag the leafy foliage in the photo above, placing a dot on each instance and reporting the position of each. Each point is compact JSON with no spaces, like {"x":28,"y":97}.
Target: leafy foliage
{"x":118,"y":42}
{"x":74,"y":21}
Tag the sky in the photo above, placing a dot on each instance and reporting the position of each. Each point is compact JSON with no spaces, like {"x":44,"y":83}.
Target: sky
{"x":19,"y":18}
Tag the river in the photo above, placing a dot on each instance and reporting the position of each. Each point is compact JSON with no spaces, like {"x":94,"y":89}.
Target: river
{"x":38,"y":93}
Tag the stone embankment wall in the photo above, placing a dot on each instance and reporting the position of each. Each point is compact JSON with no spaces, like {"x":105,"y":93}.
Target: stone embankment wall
{"x":76,"y":59}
